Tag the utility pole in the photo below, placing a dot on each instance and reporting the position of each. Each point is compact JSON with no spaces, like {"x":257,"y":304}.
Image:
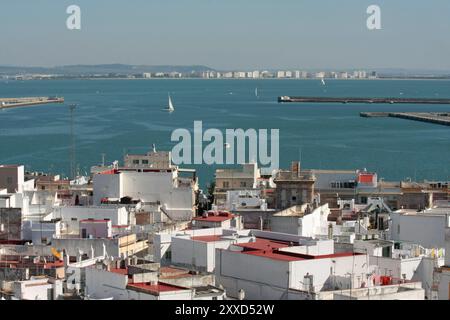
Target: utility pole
{"x":72,"y":142}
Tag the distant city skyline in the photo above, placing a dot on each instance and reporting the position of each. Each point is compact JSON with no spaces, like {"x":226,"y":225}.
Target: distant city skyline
{"x":228,"y":35}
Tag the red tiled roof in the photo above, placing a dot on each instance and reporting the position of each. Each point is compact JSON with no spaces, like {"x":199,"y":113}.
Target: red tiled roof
{"x":290,"y":256}
{"x":112,"y":171}
{"x":222,"y":216}
{"x":264,"y":244}
{"x":207,"y":238}
{"x":119,"y":271}
{"x":275,"y":255}
{"x":155,"y":289}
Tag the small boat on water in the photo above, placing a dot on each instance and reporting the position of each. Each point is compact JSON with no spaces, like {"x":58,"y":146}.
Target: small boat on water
{"x":170,"y":107}
{"x":323,"y":81}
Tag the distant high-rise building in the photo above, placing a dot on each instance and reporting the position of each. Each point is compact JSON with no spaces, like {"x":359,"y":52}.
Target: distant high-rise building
{"x":320,"y":74}
{"x":281,"y":74}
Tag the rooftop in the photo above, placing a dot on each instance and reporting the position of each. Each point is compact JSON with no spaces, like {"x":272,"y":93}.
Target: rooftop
{"x":217,"y":216}
{"x":154,"y":289}
{"x":290,"y":256}
{"x":264,"y":244}
{"x":207,"y":238}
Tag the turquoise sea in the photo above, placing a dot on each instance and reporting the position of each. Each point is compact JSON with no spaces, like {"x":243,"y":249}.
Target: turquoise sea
{"x":119,"y":116}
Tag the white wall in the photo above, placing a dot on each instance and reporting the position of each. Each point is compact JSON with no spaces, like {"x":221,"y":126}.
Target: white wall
{"x":103,"y":284}
{"x":117,"y":215}
{"x":37,"y":289}
{"x":323,"y":271}
{"x":310,"y":225}
{"x":428,"y":231}
{"x":321,"y":247}
{"x":41,"y":230}
{"x":107,"y":186}
{"x":185,"y":249}
{"x":178,"y":202}
{"x":444,"y":285}
{"x":261,"y":278}
{"x":264,"y":278}
{"x":73,"y":246}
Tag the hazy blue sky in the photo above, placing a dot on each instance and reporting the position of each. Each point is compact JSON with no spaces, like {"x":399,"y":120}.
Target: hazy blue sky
{"x":228,"y":34}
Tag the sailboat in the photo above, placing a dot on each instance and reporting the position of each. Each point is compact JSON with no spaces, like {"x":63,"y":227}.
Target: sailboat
{"x":256,"y":92}
{"x":170,"y":107}
{"x":323,"y":81}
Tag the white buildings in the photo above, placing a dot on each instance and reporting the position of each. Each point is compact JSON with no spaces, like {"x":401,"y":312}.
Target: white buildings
{"x":281,"y":74}
{"x":147,"y":282}
{"x":256,"y":74}
{"x":426,"y":227}
{"x":275,"y":265}
{"x":243,"y":178}
{"x":442,"y":285}
{"x":403,"y":261}
{"x":304,"y":221}
{"x":116,"y":284}
{"x":152,"y":180}
{"x":38,"y":288}
{"x":195,"y":248}
{"x":72,"y":215}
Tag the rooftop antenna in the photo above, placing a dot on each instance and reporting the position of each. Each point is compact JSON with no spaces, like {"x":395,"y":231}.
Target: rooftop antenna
{"x":103,"y":159}
{"x":72,"y":141}
{"x":300,"y":155}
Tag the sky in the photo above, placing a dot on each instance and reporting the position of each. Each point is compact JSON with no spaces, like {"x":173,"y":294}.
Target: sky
{"x":228,"y":34}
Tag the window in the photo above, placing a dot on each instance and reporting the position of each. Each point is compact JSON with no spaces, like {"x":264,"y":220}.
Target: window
{"x":135,"y":161}
{"x":9,"y":180}
{"x":398,"y":228}
{"x":226,"y":184}
{"x":42,"y":187}
{"x":145,"y":161}
{"x":294,"y":198}
{"x":243,"y":184}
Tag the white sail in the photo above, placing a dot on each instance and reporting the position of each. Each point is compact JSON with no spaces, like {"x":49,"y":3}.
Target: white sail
{"x":323,"y":81}
{"x":256,"y":91}
{"x":170,"y":108}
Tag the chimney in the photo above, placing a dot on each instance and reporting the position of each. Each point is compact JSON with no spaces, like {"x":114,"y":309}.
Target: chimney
{"x":295,"y":167}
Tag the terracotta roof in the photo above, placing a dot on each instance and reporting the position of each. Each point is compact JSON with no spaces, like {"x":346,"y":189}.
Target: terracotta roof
{"x":264,"y":244}
{"x":207,"y":238}
{"x":290,"y":256}
{"x":119,"y":271}
{"x":222,"y":216}
{"x":155,"y":289}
